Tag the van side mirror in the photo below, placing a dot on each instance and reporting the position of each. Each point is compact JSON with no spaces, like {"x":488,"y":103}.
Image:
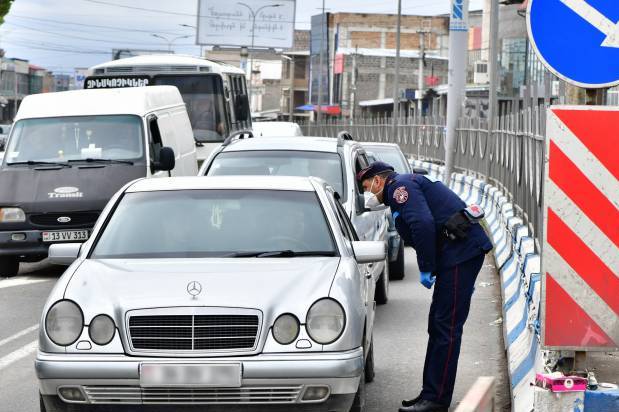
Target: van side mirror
{"x":63,"y":253}
{"x":242,"y":108}
{"x":166,"y":160}
{"x":420,"y":171}
{"x":369,"y":251}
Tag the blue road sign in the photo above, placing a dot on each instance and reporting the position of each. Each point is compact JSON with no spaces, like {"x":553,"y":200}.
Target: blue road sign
{"x":578,"y":40}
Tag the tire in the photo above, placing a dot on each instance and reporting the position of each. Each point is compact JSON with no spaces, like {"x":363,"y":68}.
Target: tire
{"x":369,"y":364}
{"x":358,"y":404}
{"x":9,"y":266}
{"x":381,"y":294}
{"x":396,"y":268}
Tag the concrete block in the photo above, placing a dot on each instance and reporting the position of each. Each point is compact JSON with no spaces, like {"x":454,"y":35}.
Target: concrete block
{"x":546,"y":401}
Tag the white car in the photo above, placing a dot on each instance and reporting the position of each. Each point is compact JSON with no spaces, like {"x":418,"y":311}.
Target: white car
{"x":275,"y":129}
{"x":336,"y":160}
{"x":218,"y":291}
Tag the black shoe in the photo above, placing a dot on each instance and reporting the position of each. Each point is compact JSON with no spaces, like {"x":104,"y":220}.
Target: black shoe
{"x":411,"y":402}
{"x":425,"y":406}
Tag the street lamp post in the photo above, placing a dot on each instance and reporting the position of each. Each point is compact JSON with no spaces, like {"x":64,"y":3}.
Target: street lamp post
{"x":169,"y":41}
{"x":254,"y":14}
{"x":189,"y":26}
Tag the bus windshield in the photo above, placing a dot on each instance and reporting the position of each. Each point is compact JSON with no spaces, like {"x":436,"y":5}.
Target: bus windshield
{"x":204,"y":98}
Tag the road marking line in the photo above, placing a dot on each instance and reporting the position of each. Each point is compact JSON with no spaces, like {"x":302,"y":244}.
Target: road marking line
{"x":20,"y":281}
{"x":19,"y":334}
{"x":18,"y":354}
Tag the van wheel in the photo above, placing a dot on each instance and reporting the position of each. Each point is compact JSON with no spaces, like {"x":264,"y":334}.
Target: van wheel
{"x":381,"y":295}
{"x":369,"y":364}
{"x":358,"y":404}
{"x":396,"y":268}
{"x":9,"y":266}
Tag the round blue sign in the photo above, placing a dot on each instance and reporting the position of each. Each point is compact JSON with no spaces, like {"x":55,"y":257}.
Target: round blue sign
{"x":578,"y":40}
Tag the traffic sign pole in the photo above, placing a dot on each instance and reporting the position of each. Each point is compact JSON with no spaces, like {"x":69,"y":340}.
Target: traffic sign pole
{"x":456,"y":92}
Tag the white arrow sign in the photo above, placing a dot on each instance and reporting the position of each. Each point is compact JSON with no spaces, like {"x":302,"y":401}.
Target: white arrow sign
{"x":597,"y":20}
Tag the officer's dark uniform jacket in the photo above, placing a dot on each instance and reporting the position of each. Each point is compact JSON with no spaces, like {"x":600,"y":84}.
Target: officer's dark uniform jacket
{"x":420,"y":207}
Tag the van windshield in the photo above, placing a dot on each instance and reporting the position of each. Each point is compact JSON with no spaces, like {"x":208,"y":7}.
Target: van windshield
{"x":204,"y":98}
{"x":61,"y":139}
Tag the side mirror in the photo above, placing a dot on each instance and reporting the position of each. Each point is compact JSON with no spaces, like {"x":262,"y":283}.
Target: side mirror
{"x":420,"y":171}
{"x":63,"y":253}
{"x":369,"y":251}
{"x":242,"y":108}
{"x":166,"y":160}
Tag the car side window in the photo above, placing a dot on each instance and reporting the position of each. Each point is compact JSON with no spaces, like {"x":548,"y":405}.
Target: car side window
{"x":347,"y":223}
{"x":342,"y":224}
{"x":360,"y":162}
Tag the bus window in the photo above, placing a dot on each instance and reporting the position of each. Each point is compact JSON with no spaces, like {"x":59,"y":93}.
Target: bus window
{"x":204,"y":98}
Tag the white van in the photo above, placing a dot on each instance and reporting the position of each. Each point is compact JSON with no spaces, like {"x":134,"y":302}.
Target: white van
{"x":69,"y":152}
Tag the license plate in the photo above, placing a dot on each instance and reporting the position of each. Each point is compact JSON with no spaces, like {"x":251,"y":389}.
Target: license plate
{"x":65,"y":236}
{"x":225,"y":375}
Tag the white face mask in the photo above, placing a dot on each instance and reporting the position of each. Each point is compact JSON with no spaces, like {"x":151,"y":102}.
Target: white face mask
{"x":371,"y":200}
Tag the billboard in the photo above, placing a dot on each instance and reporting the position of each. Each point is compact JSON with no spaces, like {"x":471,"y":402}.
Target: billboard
{"x":319,"y":42}
{"x":231,"y":23}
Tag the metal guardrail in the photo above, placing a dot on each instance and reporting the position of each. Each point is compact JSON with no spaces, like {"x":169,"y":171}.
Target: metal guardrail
{"x":511,"y":157}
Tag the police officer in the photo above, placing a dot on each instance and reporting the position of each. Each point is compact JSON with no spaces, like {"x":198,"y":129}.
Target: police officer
{"x":421,"y":208}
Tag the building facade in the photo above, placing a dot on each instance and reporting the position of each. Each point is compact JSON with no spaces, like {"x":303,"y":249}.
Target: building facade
{"x":358,"y":61}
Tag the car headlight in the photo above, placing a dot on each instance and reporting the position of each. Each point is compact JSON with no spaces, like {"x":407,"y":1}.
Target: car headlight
{"x":12,"y":215}
{"x":325,"y":321}
{"x":286,"y":329}
{"x":64,"y":322}
{"x":101,"y":329}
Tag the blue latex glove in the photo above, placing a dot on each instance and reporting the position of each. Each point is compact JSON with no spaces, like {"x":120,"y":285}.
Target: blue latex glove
{"x":427,"y":279}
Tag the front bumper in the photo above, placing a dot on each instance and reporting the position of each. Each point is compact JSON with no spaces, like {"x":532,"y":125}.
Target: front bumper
{"x":267,"y":379}
{"x":32,"y":246}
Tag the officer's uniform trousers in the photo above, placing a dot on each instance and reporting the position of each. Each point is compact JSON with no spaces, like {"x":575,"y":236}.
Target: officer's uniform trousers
{"x":421,"y":207}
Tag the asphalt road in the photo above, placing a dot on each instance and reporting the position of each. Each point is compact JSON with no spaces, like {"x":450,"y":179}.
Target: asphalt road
{"x":400,"y":339}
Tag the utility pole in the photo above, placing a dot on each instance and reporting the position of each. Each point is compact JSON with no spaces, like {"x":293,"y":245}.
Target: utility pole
{"x":353,"y":88}
{"x":253,"y":13}
{"x":395,"y":117}
{"x":292,"y":62}
{"x":324,"y":24}
{"x":422,"y":50}
{"x":493,"y":61}
{"x":456,"y":92}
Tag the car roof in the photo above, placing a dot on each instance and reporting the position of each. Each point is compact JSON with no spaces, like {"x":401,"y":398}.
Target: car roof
{"x":377,"y":144}
{"x":129,"y":100}
{"x":301,"y":143}
{"x":159,"y":62}
{"x":291,"y":183}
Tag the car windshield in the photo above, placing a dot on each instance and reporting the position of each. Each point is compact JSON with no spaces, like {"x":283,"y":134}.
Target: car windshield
{"x":390,"y":155}
{"x":204,"y":99}
{"x":61,"y":139}
{"x":215,"y":223}
{"x":327,"y":166}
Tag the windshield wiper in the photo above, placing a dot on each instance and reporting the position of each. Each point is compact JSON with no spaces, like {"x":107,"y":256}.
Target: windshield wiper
{"x":93,"y":160}
{"x":282,"y":253}
{"x":38,"y":162}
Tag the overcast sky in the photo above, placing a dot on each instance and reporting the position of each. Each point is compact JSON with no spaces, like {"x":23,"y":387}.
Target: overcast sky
{"x":63,"y":34}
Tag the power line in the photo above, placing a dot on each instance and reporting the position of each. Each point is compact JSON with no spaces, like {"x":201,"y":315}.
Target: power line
{"x":97,"y":26}
{"x":98,"y":40}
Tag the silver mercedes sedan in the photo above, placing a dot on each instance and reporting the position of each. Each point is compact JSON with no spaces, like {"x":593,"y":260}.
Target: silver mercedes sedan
{"x":232,"y":292}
